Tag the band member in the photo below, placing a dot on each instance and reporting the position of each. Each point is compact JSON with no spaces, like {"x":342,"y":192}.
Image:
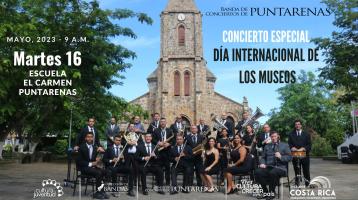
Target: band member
{"x":154,"y":124}
{"x":177,"y":126}
{"x":223,"y":146}
{"x":145,"y":154}
{"x":202,"y":127}
{"x":180,"y":155}
{"x":88,"y":163}
{"x":264,"y":138}
{"x":89,"y":128}
{"x":300,"y":141}
{"x":161,"y":136}
{"x":115,"y":163}
{"x":133,"y":139}
{"x":273,"y":165}
{"x":194,"y":140}
{"x":228,"y":124}
{"x":138,"y":126}
{"x":238,"y":127}
{"x":111,"y":131}
{"x":250,"y":142}
{"x":211,"y":165}
{"x":240,"y":162}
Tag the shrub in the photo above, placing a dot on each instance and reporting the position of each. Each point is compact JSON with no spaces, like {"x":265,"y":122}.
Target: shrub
{"x":60,"y":147}
{"x":321,"y":147}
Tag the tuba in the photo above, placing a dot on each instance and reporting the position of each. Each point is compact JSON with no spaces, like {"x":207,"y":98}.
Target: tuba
{"x":253,"y":121}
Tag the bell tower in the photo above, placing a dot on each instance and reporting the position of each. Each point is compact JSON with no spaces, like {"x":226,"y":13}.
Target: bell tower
{"x":181,"y":34}
{"x":182,"y":84}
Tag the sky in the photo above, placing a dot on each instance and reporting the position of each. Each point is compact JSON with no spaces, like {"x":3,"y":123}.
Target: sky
{"x":264,"y":96}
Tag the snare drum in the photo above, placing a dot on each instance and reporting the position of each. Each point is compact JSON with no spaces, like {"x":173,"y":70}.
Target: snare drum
{"x":298,"y":154}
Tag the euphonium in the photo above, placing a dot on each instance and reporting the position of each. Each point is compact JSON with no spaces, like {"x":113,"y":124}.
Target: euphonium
{"x":217,"y":124}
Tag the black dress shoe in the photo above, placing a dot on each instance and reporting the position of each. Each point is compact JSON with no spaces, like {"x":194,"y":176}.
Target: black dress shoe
{"x":98,"y":195}
{"x":232,"y":191}
{"x":145,"y":193}
{"x":270,"y":197}
{"x":173,"y":192}
{"x":131,"y":193}
{"x":105,"y":196}
{"x":260,"y":196}
{"x":161,"y":192}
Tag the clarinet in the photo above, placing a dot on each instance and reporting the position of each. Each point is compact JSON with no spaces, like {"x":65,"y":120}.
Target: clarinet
{"x":276,"y":150}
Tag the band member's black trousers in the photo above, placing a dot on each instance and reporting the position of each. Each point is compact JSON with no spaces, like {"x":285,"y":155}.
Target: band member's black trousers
{"x":132,"y":164}
{"x":124,"y":170}
{"x":165,"y":163}
{"x":305,"y":164}
{"x":154,"y":169}
{"x":97,"y":173}
{"x":198,"y":168}
{"x":223,"y":165}
{"x":269,"y":176}
{"x":185,"y":169}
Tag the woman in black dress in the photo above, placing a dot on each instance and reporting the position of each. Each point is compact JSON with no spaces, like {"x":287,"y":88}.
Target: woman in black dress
{"x":249,"y":138}
{"x":211,"y":164}
{"x":241,"y":162}
{"x":223,"y":146}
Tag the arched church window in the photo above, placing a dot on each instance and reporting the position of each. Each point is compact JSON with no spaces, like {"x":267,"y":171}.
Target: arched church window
{"x":176,"y":83}
{"x":181,"y":35}
{"x":187,"y":83}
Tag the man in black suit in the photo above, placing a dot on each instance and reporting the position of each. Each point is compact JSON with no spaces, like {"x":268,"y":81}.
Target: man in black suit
{"x":264,"y":138}
{"x":130,"y":151}
{"x":238,"y":127}
{"x":87,"y":163}
{"x":161,"y":136}
{"x":112,"y":130}
{"x":145,"y":153}
{"x":193,"y":141}
{"x":203,"y":128}
{"x":177,"y":125}
{"x":115,"y":163}
{"x":182,"y":153}
{"x":89,"y":128}
{"x":300,"y":141}
{"x":155,"y":123}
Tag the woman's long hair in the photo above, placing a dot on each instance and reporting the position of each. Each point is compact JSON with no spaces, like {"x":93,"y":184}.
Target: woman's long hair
{"x":207,"y":145}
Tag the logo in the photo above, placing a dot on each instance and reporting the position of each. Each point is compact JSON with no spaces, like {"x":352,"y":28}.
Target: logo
{"x":50,"y":189}
{"x":320,"y":182}
{"x":319,"y":188}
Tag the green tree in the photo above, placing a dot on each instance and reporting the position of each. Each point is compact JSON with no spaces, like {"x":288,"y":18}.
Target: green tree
{"x":311,"y":101}
{"x":341,"y":50}
{"x":103,"y":62}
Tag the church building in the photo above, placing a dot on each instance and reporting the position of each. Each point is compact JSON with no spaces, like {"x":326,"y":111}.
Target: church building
{"x":182,"y":84}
